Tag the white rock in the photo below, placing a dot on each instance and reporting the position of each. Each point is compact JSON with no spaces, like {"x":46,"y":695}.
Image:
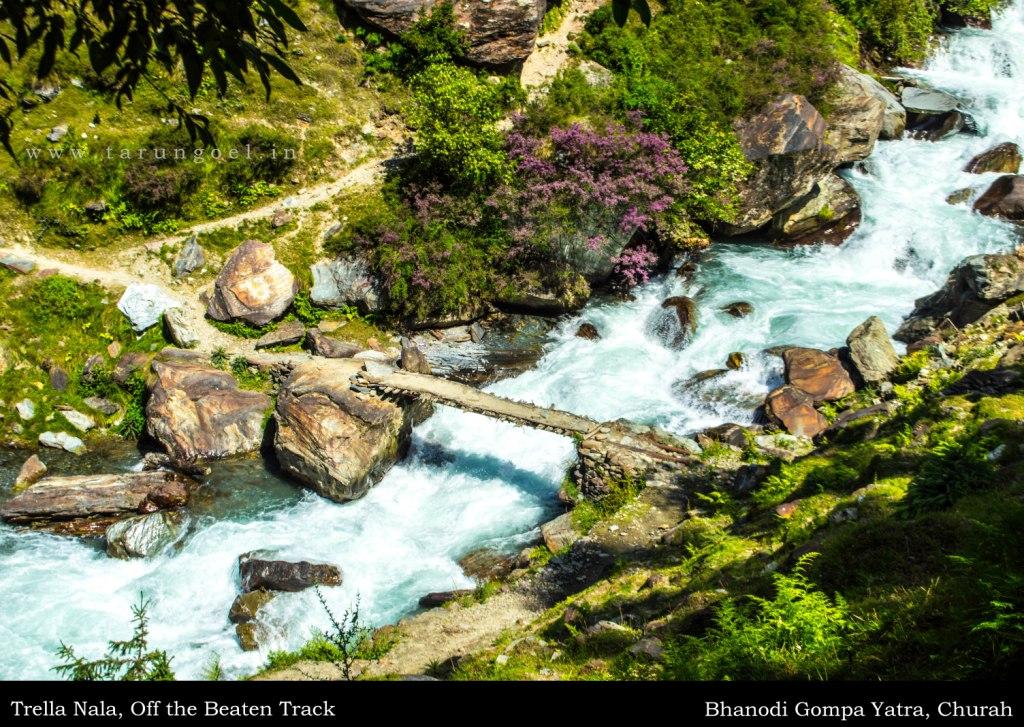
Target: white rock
{"x":144,"y":303}
{"x":62,"y":440}
{"x":26,"y":409}
{"x":81,"y":422}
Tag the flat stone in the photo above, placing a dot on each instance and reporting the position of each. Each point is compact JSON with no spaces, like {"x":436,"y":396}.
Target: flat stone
{"x":102,"y":406}
{"x":26,"y":409}
{"x":62,"y":440}
{"x":81,"y":422}
{"x":286,"y":334}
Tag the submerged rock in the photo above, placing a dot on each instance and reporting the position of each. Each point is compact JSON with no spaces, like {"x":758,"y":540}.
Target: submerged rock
{"x":246,"y":606}
{"x":1004,"y":199}
{"x":588,"y":331}
{"x":143,"y":535}
{"x":676,"y":322}
{"x":281,"y":575}
{"x":252,"y":286}
{"x":335,"y":441}
{"x":1004,"y":158}
{"x":198,"y":412}
{"x":739,"y":309}
{"x":931,"y":114}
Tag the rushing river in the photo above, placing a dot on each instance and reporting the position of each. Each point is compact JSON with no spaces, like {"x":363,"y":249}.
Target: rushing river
{"x":472,"y":482}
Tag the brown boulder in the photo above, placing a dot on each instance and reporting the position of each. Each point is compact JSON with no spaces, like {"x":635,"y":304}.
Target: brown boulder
{"x":252,"y":286}
{"x":197,"y":412}
{"x":486,"y":564}
{"x":440,"y":598}
{"x":94,"y":499}
{"x":332,"y":439}
{"x":817,"y":373}
{"x":686,"y":311}
{"x":499,"y":32}
{"x":739,"y":309}
{"x":794,"y":410}
{"x":1005,"y":199}
{"x":588,"y":331}
{"x":1004,"y":158}
{"x":830,"y":213}
{"x":786,"y":143}
{"x":413,"y":359}
{"x":246,"y":606}
{"x":31,"y":472}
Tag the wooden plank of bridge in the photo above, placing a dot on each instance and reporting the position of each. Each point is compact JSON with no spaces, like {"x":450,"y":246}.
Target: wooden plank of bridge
{"x":481,"y":402}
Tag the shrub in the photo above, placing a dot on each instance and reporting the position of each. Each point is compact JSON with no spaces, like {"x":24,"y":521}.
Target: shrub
{"x":454,"y":114}
{"x":801,"y":632}
{"x":266,"y":156}
{"x":159,"y":179}
{"x":433,"y":38}
{"x":125,"y":661}
{"x":899,"y":30}
{"x":951,"y":469}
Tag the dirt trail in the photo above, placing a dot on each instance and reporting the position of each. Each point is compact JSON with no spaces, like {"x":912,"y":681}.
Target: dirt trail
{"x":551,"y":53}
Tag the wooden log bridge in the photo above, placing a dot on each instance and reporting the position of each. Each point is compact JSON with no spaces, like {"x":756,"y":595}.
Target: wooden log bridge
{"x":607,"y":450}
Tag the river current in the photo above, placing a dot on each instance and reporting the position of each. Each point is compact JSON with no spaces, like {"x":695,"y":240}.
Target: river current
{"x":471,"y":482}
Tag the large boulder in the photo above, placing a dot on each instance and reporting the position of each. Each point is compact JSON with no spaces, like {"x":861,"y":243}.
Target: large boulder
{"x":342,"y":282}
{"x":862,"y":109}
{"x":830,"y":213}
{"x":280,"y":575}
{"x":198,"y":412}
{"x":978,"y":284}
{"x":786,"y":143}
{"x":144,"y":303}
{"x":143,"y":535}
{"x":332,"y":439}
{"x":931,"y":114}
{"x":1003,"y":158}
{"x":500,"y":32}
{"x":1004,"y":199}
{"x":252,"y":286}
{"x":89,"y":503}
{"x":794,"y":410}
{"x":871,"y":351}
{"x":816,"y":373}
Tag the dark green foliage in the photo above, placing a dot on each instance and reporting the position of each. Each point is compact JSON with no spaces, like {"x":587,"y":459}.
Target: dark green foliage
{"x":128,"y":661}
{"x":951,"y":469}
{"x":60,"y":298}
{"x":799,"y":633}
{"x":265,"y":155}
{"x":161,"y":178}
{"x":133,"y":423}
{"x":898,"y":30}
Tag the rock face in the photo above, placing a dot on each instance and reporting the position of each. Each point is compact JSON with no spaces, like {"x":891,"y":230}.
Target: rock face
{"x":191,"y":258}
{"x":144,"y":303}
{"x":931,"y":114}
{"x":197,"y":412}
{"x":500,"y":32}
{"x":976,"y":285}
{"x":252,"y":286}
{"x":333,"y":440}
{"x":55,"y":500}
{"x":817,"y":374}
{"x":1005,"y":199}
{"x":280,"y":575}
{"x":862,"y":109}
{"x":1004,"y":158}
{"x":143,"y":535}
{"x":342,"y":282}
{"x":871,"y":351}
{"x":794,"y":410}
{"x":179,"y":328}
{"x":786,"y":143}
{"x":830,"y":213}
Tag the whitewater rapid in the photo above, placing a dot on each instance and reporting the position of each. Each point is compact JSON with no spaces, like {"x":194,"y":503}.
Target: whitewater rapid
{"x":471,"y":482}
